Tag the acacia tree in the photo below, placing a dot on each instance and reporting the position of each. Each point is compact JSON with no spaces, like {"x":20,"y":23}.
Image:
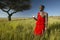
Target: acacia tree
{"x":14,"y":5}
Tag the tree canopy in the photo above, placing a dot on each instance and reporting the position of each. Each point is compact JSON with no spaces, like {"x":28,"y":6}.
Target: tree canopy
{"x":14,"y":5}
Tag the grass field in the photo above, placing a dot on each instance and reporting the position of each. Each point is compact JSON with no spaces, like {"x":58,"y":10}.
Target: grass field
{"x":22,"y":29}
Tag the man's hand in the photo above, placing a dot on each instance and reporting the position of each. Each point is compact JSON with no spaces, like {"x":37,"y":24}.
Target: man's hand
{"x":45,"y":28}
{"x":35,"y":18}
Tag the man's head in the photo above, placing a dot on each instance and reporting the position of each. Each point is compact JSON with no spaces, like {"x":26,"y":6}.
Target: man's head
{"x":42,"y":7}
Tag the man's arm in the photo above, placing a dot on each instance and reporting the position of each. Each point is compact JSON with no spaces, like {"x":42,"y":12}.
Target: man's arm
{"x":35,"y":18}
{"x":46,"y":21}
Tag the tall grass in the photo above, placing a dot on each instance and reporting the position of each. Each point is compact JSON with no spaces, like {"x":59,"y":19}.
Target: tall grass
{"x":23,"y":30}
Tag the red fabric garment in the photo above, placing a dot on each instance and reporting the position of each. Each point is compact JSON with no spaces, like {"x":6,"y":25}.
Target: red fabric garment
{"x":40,"y":27}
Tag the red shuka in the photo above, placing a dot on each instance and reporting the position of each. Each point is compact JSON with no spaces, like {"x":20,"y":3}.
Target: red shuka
{"x":40,"y":27}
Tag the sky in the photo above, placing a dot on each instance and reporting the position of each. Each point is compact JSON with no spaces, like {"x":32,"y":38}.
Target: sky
{"x":52,"y":7}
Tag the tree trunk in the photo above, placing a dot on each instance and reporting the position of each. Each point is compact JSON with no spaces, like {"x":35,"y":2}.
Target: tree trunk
{"x":9,"y":17}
